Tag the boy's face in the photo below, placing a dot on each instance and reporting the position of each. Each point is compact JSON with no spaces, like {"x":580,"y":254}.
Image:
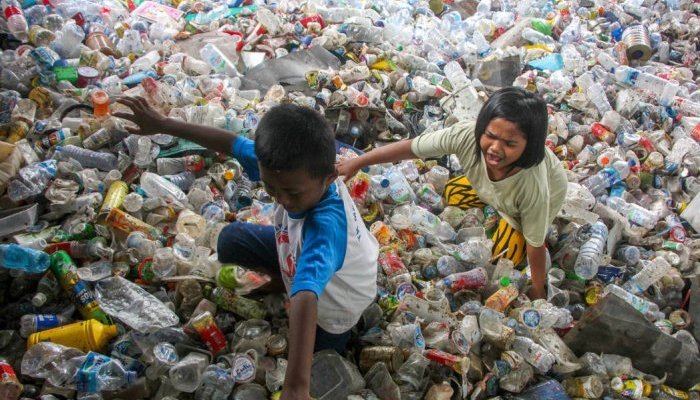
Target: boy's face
{"x":294,"y":189}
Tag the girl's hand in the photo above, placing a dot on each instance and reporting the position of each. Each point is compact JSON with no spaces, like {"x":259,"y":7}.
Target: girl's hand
{"x":347,"y":168}
{"x":147,"y":118}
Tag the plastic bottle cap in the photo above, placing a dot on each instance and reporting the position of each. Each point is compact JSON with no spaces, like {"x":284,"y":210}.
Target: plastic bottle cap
{"x":504,"y":281}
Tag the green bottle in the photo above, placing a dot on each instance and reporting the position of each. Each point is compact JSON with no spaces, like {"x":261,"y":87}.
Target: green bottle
{"x":239,"y":305}
{"x":65,"y":271}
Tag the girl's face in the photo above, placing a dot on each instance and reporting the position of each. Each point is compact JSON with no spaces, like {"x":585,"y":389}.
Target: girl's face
{"x":502,"y":144}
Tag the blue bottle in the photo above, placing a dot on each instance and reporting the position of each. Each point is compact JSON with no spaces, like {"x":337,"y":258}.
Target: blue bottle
{"x":14,"y":256}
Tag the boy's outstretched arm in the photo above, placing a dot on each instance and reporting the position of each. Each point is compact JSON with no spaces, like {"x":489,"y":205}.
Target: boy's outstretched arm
{"x":302,"y":336}
{"x":150,"y":122}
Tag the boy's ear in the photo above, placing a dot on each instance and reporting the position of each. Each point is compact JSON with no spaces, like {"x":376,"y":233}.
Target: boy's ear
{"x":330,"y":178}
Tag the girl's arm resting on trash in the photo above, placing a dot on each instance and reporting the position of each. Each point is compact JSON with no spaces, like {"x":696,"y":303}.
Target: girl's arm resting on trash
{"x":537,"y":258}
{"x":302,"y":336}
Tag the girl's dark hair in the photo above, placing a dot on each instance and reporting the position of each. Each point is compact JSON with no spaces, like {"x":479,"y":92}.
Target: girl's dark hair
{"x":290,"y":137}
{"x":526,"y":110}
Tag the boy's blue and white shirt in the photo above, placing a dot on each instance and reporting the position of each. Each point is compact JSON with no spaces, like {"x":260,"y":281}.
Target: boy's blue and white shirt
{"x":326,"y":250}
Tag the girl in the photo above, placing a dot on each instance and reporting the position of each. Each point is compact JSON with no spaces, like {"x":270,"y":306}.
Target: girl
{"x":506,"y":165}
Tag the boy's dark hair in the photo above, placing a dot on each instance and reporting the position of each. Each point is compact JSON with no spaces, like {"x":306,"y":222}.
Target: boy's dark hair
{"x":289,"y":137}
{"x":526,"y":110}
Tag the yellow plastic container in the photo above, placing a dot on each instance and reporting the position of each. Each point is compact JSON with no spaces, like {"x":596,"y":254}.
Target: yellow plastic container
{"x":90,"y":335}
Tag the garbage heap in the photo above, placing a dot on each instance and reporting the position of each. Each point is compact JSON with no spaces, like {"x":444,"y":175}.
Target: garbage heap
{"x":110,"y":282}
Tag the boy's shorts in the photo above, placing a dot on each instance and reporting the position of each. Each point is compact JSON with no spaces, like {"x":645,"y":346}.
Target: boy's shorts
{"x":254,"y":246}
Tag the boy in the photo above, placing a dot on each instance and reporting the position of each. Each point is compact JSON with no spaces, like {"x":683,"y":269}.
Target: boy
{"x":326,"y":256}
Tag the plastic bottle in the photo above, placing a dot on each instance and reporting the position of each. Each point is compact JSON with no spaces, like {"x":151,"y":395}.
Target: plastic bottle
{"x":158,"y":187}
{"x":534,"y":36}
{"x":114,"y":292}
{"x":535,"y":355}
{"x":65,"y":271}
{"x":633,"y":212}
{"x":23,"y":258}
{"x":602,"y":180}
{"x":596,"y":94}
{"x":651,"y":273}
{"x":32,"y":323}
{"x":186,"y":375}
{"x":164,"y":263}
{"x":99,"y":373}
{"x":455,"y":74}
{"x":142,"y":158}
{"x":379,"y":188}
{"x":646,"y":307}
{"x":33,"y":180}
{"x":473,"y":279}
{"x":146,"y":61}
{"x":218,"y":60}
{"x":16,"y":22}
{"x":502,"y":298}
{"x":400,"y":191}
{"x":88,"y":158}
{"x":216,"y":383}
{"x":47,"y":289}
{"x":239,"y":305}
{"x":171,"y":166}
{"x":589,"y":256}
{"x":90,"y":335}
{"x":183,"y":180}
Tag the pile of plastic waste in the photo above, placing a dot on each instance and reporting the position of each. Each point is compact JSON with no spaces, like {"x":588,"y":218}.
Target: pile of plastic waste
{"x":109,"y":278}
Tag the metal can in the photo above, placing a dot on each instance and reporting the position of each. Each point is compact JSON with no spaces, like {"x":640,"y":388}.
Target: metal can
{"x":115,"y":196}
{"x":87,"y":76}
{"x":389,"y":355}
{"x":9,"y":384}
{"x":590,"y":387}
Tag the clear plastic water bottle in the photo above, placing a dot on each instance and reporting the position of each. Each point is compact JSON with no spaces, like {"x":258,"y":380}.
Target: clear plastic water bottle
{"x":23,"y":258}
{"x":16,"y":22}
{"x":99,"y":373}
{"x":218,"y":60}
{"x":158,"y":187}
{"x":646,"y":307}
{"x":88,"y":158}
{"x":146,"y":61}
{"x":142,"y":158}
{"x":534,"y":36}
{"x":187,"y":374}
{"x":172,"y":166}
{"x":216,"y":383}
{"x":602,"y":180}
{"x":651,"y":273}
{"x":534,"y":354}
{"x":33,"y":180}
{"x":591,"y":251}
{"x":183,"y":180}
{"x":455,"y":74}
{"x":633,"y":212}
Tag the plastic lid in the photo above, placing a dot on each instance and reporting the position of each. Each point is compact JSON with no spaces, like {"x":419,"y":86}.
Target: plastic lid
{"x":385,"y":183}
{"x":39,"y":299}
{"x":504,"y":281}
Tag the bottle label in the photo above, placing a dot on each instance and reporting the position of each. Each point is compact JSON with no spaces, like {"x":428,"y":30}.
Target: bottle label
{"x":194,"y":163}
{"x":7,"y":374}
{"x":243,"y":369}
{"x":46,"y":321}
{"x":211,"y":334}
{"x":87,"y":374}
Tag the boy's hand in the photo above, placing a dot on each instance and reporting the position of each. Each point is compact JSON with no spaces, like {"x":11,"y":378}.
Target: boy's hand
{"x":148,"y":119}
{"x":347,"y":168}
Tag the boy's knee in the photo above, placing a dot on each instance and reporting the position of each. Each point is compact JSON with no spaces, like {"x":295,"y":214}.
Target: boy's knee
{"x":225,"y":245}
